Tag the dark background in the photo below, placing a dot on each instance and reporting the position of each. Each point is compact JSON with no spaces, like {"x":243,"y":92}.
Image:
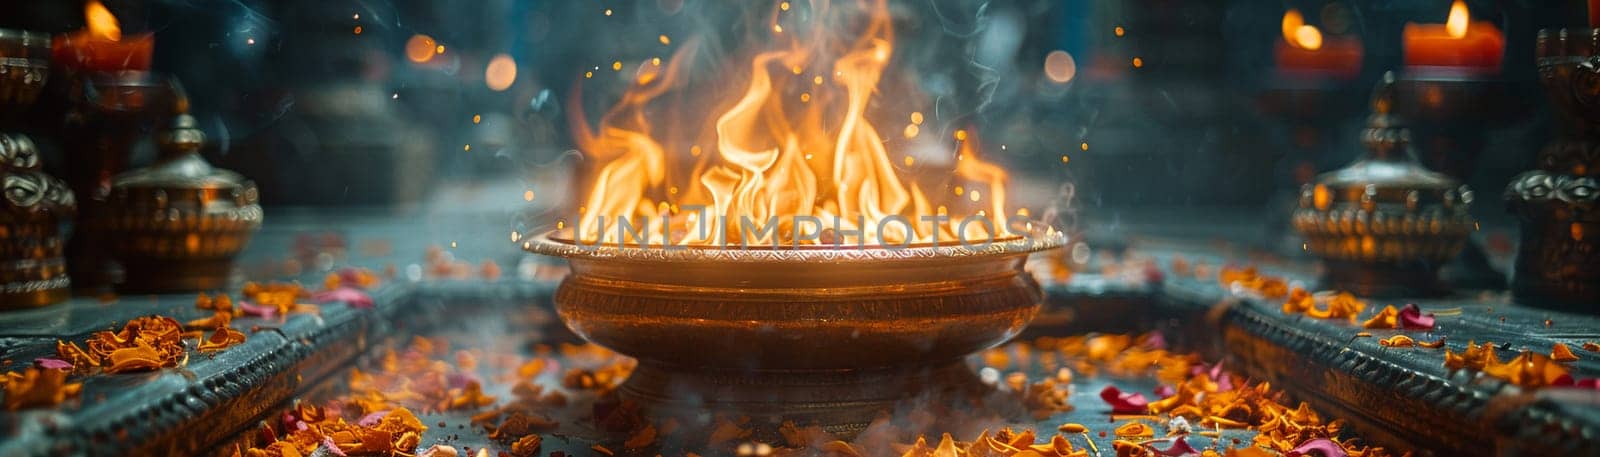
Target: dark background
{"x":321,"y":115}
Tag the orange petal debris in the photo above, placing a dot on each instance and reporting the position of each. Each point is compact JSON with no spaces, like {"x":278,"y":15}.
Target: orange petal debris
{"x":420,"y":377}
{"x":1389,"y":317}
{"x":1528,"y":369}
{"x":1474,"y":357}
{"x":1340,"y":305}
{"x":222,"y":337}
{"x":398,"y":432}
{"x":71,"y":352}
{"x":37,"y":387}
{"x":1271,"y":287}
{"x":145,"y":343}
{"x":360,"y":278}
{"x":1134,"y":429}
{"x":1432,"y":345}
{"x":1561,"y":353}
{"x":220,"y":303}
{"x":282,"y":296}
{"x":1198,"y":397}
{"x":527,"y":446}
{"x":1397,"y":341}
{"x":1591,"y":346}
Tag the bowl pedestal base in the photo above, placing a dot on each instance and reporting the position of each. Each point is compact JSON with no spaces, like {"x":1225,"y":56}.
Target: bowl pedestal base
{"x":841,"y":402}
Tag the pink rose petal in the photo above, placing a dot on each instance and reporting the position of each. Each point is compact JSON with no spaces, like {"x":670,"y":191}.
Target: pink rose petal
{"x":438,"y":450}
{"x":460,"y":380}
{"x":1124,"y":403}
{"x":1568,"y":381}
{"x":252,"y":309}
{"x":1224,"y":382}
{"x":1155,"y":340}
{"x":1320,"y":447}
{"x":327,"y":443}
{"x":1179,"y":447}
{"x":350,"y":277}
{"x":354,"y":297}
{"x":1411,"y":317}
{"x":52,"y":363}
{"x":1165,"y":391}
{"x":372,"y":419}
{"x":1153,"y":275}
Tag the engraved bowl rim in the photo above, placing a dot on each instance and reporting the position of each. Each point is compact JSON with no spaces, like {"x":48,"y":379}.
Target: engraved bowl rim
{"x":551,"y":244}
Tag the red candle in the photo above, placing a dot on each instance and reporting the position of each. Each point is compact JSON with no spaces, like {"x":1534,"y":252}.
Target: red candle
{"x":1304,"y":51}
{"x":102,"y":47}
{"x":1457,"y":45}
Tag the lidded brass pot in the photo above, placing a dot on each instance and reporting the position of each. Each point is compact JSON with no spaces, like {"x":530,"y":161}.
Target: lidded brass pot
{"x":178,"y":224}
{"x":1384,"y":224}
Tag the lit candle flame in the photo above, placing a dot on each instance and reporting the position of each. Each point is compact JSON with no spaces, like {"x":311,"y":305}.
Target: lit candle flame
{"x":1308,"y":37}
{"x":101,"y":21}
{"x":1291,"y":25}
{"x":1456,"y":26}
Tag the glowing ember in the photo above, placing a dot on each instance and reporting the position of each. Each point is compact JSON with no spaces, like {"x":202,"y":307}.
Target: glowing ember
{"x":792,"y":160}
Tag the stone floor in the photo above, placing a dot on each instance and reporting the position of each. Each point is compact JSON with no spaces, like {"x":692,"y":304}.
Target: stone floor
{"x":1399,"y":397}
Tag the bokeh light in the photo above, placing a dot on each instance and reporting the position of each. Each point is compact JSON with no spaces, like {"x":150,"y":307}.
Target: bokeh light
{"x":502,"y":71}
{"x":420,"y":48}
{"x":1060,"y":67}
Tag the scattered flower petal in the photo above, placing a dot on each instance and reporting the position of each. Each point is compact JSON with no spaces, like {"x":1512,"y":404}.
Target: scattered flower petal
{"x":266,"y":312}
{"x":327,"y":443}
{"x":52,"y":363}
{"x":1124,"y":403}
{"x":1180,"y":447}
{"x":37,"y":387}
{"x":1165,"y":391}
{"x":1388,"y":317}
{"x":1320,"y":447}
{"x":1397,"y":341}
{"x":1561,"y":353}
{"x":356,"y":298}
{"x":1135,"y":429}
{"x":372,"y":418}
{"x":1411,"y":317}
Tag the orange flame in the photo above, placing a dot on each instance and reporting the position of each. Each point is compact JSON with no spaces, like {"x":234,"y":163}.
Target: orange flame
{"x":101,"y":22}
{"x":1456,"y":25}
{"x":1292,"y":20}
{"x":1308,"y":37}
{"x":786,"y":146}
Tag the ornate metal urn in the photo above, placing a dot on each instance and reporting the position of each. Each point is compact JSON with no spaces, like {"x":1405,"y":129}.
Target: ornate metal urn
{"x":1558,"y":261}
{"x":1384,"y":224}
{"x":32,"y":270}
{"x":177,"y":224}
{"x":817,"y":335}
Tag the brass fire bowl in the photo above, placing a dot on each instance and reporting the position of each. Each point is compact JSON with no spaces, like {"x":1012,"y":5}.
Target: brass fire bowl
{"x":817,"y":335}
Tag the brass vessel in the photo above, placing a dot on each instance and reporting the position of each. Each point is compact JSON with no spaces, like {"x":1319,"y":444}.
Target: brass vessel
{"x":1558,"y":260}
{"x":110,"y":112}
{"x":177,"y":225}
{"x":32,"y":270}
{"x":1384,"y":224}
{"x":825,"y":336}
